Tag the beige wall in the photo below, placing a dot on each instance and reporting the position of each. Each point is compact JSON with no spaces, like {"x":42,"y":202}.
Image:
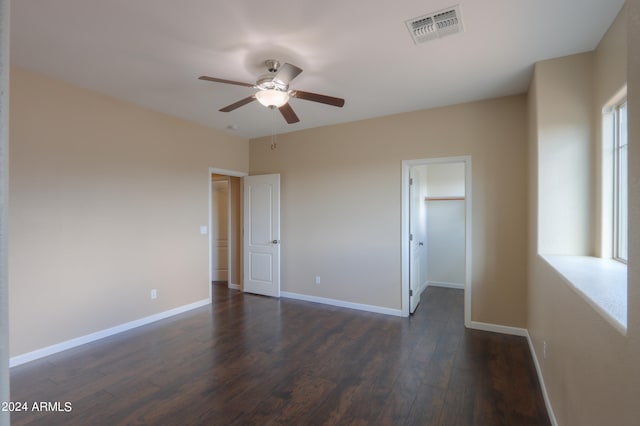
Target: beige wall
{"x":564,"y":148}
{"x":591,"y":370}
{"x":4,"y":212}
{"x":341,"y":202}
{"x":107,"y":200}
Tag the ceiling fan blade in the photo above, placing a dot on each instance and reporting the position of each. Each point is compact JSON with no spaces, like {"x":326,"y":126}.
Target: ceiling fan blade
{"x":289,"y":114}
{"x":220,"y":80}
{"x":314,"y":97}
{"x":238,"y":104}
{"x":286,"y":73}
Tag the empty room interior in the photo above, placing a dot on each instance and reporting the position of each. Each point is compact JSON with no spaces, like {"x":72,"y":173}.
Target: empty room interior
{"x":417,"y":212}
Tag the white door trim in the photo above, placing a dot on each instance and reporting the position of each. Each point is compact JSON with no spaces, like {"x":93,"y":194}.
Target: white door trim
{"x":406,"y":165}
{"x":218,"y":171}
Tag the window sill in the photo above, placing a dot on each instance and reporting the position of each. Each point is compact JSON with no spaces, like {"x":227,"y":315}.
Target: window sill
{"x":601,"y":282}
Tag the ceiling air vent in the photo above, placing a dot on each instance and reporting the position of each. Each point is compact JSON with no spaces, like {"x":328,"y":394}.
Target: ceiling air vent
{"x":435,"y":25}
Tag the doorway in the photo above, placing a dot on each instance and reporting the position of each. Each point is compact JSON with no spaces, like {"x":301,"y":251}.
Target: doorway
{"x":225,"y":226}
{"x":436,"y":228}
{"x":252,"y":216}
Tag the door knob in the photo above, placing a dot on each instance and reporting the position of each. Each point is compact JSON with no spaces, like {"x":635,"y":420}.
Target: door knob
{"x":275,"y":241}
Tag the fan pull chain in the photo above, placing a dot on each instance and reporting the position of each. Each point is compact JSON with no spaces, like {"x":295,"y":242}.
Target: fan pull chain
{"x":274,"y":145}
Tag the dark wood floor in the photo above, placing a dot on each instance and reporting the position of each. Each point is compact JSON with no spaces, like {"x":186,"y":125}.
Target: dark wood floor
{"x":254,"y":360}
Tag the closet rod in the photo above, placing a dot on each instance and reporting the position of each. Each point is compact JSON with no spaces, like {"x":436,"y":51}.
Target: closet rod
{"x":444,"y":199}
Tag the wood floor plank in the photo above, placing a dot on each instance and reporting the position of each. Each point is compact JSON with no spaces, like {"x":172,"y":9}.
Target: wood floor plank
{"x":255,"y":360}
{"x":427,"y":406}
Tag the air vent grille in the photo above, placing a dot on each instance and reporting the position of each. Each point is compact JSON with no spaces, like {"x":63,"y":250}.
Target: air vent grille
{"x":435,"y":25}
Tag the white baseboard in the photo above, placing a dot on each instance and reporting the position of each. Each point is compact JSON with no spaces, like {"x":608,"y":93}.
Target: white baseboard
{"x":523,"y":332}
{"x":234,"y":286}
{"x":72,"y":343}
{"x":445,"y":284}
{"x":504,"y":329}
{"x":342,"y":304}
{"x":547,"y":401}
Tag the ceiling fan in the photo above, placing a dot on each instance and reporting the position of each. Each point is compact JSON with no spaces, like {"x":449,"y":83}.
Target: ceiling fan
{"x":273,"y":90}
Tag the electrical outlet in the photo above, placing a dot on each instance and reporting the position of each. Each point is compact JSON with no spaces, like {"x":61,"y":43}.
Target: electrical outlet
{"x":154,"y":293}
{"x":544,"y":349}
{"x":317,"y":279}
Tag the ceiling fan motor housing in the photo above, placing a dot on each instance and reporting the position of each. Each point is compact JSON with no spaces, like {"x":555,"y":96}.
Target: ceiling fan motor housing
{"x":267,"y":82}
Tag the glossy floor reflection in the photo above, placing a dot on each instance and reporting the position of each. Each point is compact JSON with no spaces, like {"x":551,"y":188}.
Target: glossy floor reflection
{"x":255,"y":360}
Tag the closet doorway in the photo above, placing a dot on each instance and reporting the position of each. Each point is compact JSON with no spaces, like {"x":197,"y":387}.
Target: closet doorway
{"x":436,"y":249}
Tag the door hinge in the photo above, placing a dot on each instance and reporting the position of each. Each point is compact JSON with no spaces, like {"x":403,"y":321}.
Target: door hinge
{"x":410,"y":237}
{"x":410,"y":293}
{"x":410,"y":181}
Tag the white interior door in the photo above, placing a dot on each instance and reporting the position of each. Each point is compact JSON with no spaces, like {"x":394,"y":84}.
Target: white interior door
{"x":262,"y":234}
{"x":414,"y":247}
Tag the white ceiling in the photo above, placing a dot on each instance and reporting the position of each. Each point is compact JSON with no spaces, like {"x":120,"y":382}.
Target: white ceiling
{"x":151,"y":52}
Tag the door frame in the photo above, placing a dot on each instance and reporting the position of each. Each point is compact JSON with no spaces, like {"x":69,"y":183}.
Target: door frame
{"x":406,"y":166}
{"x":233,"y":173}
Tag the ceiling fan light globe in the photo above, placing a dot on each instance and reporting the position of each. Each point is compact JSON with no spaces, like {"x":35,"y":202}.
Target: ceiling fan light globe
{"x":272,"y":98}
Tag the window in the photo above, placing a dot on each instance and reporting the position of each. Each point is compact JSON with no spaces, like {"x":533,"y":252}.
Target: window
{"x":620,"y":222}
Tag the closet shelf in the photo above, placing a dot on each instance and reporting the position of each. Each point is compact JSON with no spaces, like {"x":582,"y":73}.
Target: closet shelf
{"x":444,"y":199}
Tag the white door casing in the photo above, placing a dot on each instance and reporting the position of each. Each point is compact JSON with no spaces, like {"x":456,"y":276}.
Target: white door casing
{"x":262,"y":234}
